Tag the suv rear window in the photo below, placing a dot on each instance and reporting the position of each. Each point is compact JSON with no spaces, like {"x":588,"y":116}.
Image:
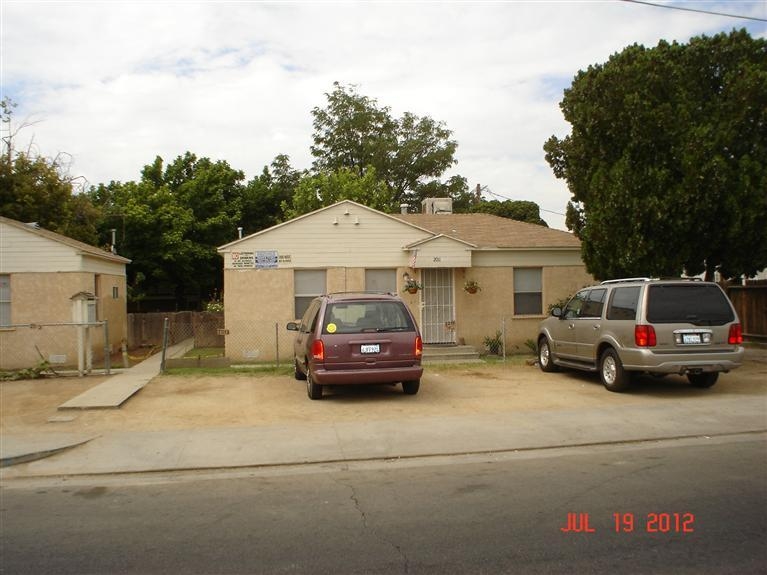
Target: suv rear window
{"x":688,"y":303}
{"x":366,"y":316}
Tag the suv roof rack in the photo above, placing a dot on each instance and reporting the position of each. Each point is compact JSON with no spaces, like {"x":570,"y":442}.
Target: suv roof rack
{"x":623,"y":280}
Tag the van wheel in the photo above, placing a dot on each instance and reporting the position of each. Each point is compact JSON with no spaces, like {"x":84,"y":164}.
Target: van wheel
{"x":545,"y":359}
{"x":611,"y":371}
{"x":313,"y":390}
{"x":703,"y":379}
{"x":298,"y":374}
{"x":411,"y":387}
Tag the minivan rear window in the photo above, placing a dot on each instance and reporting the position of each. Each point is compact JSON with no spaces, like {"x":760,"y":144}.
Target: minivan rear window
{"x":366,"y":316}
{"x":698,"y":304}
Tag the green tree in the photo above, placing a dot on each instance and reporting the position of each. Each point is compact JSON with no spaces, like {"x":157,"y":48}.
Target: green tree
{"x":665,"y":160}
{"x":326,"y":188}
{"x":170,"y":224}
{"x":39,"y":189}
{"x":265,"y":195}
{"x":409,"y":153}
{"x":521,"y":210}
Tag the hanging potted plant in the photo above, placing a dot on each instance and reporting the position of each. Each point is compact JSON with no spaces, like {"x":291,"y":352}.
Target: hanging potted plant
{"x":412,"y":285}
{"x":471,"y":286}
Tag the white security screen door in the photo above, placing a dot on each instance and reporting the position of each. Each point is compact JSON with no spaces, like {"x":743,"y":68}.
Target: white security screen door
{"x":438,"y":317}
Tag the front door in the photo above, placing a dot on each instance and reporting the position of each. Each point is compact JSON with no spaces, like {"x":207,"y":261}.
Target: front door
{"x":438,"y":311}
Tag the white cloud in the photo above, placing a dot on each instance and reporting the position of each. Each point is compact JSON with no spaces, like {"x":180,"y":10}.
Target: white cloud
{"x":117,"y":83}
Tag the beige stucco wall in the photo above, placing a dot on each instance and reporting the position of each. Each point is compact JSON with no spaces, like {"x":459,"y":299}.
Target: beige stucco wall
{"x":482,"y":314}
{"x":259,"y":303}
{"x":44,"y":298}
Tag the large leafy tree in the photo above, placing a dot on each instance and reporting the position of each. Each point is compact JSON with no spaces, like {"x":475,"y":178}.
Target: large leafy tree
{"x":170,"y":224}
{"x":666,"y":158}
{"x":410,"y":154}
{"x":35,"y":188}
{"x":521,"y":210}
{"x":265,"y":197}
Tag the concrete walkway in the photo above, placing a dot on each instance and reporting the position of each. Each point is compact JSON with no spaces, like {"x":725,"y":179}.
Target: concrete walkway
{"x":120,"y":387}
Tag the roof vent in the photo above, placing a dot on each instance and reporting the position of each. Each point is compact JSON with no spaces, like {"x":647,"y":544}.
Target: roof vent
{"x":437,"y":206}
{"x":33,"y":225}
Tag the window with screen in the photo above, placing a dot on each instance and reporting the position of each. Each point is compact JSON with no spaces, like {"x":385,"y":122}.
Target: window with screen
{"x":384,"y":281}
{"x":307,"y":285}
{"x":5,"y":299}
{"x":528,"y":296}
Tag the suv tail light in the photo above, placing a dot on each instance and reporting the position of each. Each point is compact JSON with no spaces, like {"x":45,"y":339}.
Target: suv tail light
{"x":644,"y":336}
{"x":318,"y":350}
{"x":736,"y":334}
{"x":418,"y":346}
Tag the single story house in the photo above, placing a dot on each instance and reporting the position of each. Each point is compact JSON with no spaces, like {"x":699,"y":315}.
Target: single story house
{"x":49,"y":283}
{"x":272,"y":275}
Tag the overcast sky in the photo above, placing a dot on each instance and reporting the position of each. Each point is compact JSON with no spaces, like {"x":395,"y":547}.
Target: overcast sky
{"x":115,"y":84}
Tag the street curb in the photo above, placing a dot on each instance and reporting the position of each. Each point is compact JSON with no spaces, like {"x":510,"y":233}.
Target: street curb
{"x":35,"y":455}
{"x":319,"y":462}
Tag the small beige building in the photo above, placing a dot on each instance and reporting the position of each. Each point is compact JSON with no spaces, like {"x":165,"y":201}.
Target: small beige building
{"x":49,"y":283}
{"x":271,"y":276}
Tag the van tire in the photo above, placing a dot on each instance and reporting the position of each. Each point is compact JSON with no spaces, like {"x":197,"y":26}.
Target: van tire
{"x":313,"y":390}
{"x":703,"y":379}
{"x":611,"y":371}
{"x":411,"y":387}
{"x":298,"y":374}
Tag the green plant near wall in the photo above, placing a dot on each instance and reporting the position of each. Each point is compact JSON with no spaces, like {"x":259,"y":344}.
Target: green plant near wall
{"x":494,"y":344}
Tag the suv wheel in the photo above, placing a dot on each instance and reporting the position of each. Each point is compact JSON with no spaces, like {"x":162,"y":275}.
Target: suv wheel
{"x":545,"y":359}
{"x":313,"y":390}
{"x":411,"y":387}
{"x":297,"y":373}
{"x":703,"y":379}
{"x":611,"y":371}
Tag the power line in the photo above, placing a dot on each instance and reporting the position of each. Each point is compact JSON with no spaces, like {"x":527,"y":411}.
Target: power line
{"x":670,"y":7}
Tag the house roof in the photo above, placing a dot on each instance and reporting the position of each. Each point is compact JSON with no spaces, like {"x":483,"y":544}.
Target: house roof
{"x":83,"y":248}
{"x":487,"y":231}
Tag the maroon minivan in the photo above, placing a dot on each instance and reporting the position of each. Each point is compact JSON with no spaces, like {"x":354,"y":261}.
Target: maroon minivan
{"x":357,"y":338}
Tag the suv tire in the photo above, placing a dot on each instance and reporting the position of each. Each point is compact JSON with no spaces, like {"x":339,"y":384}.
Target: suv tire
{"x":411,"y":387}
{"x":703,"y":379}
{"x":611,"y":371}
{"x":313,"y":390}
{"x":545,"y":358}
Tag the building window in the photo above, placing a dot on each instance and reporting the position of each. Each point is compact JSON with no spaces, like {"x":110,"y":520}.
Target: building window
{"x":308,"y":284}
{"x":5,"y":299}
{"x":528,"y":296}
{"x":381,"y":281}
{"x":115,"y":292}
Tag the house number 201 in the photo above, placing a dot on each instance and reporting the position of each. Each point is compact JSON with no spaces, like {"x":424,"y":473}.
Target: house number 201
{"x":437,"y":259}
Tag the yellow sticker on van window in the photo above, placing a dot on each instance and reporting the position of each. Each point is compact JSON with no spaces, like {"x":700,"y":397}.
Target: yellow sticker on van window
{"x":331,"y":328}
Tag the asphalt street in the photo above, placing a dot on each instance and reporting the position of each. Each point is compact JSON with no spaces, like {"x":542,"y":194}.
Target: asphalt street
{"x":696,"y":505}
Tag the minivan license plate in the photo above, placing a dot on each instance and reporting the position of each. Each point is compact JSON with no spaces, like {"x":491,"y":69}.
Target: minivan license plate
{"x":370,"y":348}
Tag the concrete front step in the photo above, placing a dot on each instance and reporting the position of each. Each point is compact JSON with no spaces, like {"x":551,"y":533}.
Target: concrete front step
{"x":449,"y":353}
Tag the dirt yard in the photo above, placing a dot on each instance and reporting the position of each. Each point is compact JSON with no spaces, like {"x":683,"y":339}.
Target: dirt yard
{"x":181,"y":402}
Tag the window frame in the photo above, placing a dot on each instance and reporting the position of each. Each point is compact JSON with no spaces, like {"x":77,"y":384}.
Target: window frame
{"x":517,"y":293}
{"x":306,"y":298}
{"x":6,"y":301}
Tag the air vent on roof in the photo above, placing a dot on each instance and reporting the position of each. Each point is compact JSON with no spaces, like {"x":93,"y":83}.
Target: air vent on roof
{"x":34,"y":225}
{"x":437,"y":206}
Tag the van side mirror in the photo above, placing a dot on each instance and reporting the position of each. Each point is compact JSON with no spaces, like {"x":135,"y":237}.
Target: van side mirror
{"x":292,"y":326}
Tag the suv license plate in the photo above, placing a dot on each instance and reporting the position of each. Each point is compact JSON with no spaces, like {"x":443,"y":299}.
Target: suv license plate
{"x":370,"y":348}
{"x":691,"y":338}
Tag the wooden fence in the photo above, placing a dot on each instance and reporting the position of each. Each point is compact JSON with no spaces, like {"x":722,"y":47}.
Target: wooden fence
{"x":750,"y":302}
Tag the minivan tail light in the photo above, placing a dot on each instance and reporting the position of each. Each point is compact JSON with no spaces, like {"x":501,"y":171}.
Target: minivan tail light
{"x":736,"y":334}
{"x":418,"y":346}
{"x":318,"y":350}
{"x":644,"y":336}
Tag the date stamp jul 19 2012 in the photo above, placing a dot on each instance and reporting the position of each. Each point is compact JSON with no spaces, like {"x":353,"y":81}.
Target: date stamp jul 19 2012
{"x":631,"y":522}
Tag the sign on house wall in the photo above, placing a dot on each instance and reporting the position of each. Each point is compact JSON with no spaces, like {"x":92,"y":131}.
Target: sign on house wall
{"x":266,"y":260}
{"x":243,"y":260}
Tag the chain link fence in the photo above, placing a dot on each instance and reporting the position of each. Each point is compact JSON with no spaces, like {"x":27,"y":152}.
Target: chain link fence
{"x":55,"y":347}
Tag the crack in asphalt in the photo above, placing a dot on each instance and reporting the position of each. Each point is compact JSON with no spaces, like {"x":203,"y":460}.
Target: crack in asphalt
{"x":357,"y":505}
